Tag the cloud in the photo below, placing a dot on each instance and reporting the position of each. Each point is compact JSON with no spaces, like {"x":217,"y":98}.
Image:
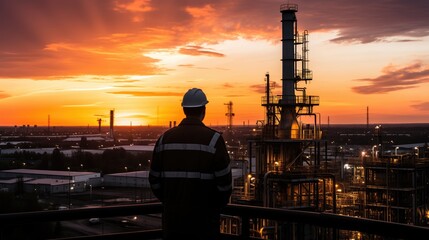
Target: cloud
{"x":147,"y":94}
{"x":262,"y":88}
{"x":135,"y":116}
{"x":62,"y":60}
{"x":49,"y":38}
{"x":82,"y":105}
{"x":125,"y":86}
{"x":134,"y":6}
{"x":4,"y":95}
{"x":424,"y":106}
{"x":227,"y":85}
{"x":366,"y":21}
{"x":259,"y":88}
{"x":191,"y":66}
{"x":197,"y":51}
{"x":395,"y":79}
{"x":186,"y":65}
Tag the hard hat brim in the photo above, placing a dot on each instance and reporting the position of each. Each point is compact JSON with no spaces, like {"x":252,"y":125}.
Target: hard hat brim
{"x":194,"y":106}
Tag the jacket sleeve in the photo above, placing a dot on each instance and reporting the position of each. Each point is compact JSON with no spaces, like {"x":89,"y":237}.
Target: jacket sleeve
{"x":155,"y":179}
{"x":223,"y":176}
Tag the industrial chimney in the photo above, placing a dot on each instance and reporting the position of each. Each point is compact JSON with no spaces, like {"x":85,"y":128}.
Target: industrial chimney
{"x":294,"y":69}
{"x":112,"y":118}
{"x":288,"y":127}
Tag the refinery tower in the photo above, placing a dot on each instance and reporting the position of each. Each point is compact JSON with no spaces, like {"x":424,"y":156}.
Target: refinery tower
{"x":286,"y":169}
{"x":291,"y":167}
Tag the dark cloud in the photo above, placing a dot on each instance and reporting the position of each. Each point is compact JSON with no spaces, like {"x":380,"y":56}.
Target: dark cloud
{"x":48,"y":38}
{"x":147,"y":94}
{"x":424,"y":106}
{"x":366,"y":21}
{"x":33,"y":24}
{"x":395,"y":79}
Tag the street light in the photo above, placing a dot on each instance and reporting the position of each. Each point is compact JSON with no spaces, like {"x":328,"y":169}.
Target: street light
{"x":90,"y":192}
{"x":379,"y":138}
{"x":373,"y":151}
{"x":339,"y":188}
{"x":141,"y":187}
{"x":362,"y":154}
{"x":247,"y":185}
{"x":276,"y":164}
{"x":68,"y":168}
{"x":135,"y":186}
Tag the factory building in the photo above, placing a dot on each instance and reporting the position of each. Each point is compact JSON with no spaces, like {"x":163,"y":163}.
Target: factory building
{"x":48,"y":186}
{"x":397,"y":189}
{"x":127,"y":179}
{"x":47,"y":181}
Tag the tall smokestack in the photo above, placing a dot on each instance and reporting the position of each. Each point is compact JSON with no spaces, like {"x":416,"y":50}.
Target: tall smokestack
{"x":112,"y":117}
{"x":288,"y":118}
{"x":367,"y":117}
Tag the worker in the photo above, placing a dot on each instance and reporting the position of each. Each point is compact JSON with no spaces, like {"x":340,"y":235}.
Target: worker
{"x":190,"y":174}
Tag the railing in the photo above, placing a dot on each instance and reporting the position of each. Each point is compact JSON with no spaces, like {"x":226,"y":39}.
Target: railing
{"x":245,"y":213}
{"x":289,"y":6}
{"x":304,"y":75}
{"x":292,"y":100}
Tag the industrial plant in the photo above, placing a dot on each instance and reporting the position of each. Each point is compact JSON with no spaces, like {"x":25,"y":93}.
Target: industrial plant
{"x":287,"y":161}
{"x":291,"y":165}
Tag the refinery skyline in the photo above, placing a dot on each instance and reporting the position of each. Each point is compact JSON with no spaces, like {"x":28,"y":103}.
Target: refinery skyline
{"x":76,"y":60}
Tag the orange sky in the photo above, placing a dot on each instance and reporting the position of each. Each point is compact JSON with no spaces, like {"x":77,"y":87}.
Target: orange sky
{"x":75,"y":59}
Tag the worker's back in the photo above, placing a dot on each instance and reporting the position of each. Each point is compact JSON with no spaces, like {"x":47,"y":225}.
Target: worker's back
{"x":191,"y":166}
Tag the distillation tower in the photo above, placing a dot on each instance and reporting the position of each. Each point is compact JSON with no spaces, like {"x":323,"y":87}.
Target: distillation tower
{"x":286,"y":167}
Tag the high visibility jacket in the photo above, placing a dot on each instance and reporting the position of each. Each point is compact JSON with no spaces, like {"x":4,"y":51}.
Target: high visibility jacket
{"x":191,"y":175}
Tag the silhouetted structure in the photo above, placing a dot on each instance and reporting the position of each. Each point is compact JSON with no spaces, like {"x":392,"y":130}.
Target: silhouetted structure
{"x":285,"y":158}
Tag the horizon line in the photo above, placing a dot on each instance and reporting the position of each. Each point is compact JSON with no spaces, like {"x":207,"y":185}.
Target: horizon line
{"x":223,"y":125}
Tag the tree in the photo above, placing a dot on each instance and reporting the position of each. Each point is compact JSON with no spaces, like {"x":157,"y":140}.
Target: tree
{"x":57,"y":160}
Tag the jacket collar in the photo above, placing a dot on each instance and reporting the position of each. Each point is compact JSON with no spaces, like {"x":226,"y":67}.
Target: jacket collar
{"x":191,"y":121}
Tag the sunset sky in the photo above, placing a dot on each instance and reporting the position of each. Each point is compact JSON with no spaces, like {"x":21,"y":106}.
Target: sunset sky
{"x":75,"y":59}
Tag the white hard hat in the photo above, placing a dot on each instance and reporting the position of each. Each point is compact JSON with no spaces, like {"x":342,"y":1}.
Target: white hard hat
{"x":194,"y":97}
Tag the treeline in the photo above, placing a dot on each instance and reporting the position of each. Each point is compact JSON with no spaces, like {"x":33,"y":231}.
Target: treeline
{"x":110,"y":161}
